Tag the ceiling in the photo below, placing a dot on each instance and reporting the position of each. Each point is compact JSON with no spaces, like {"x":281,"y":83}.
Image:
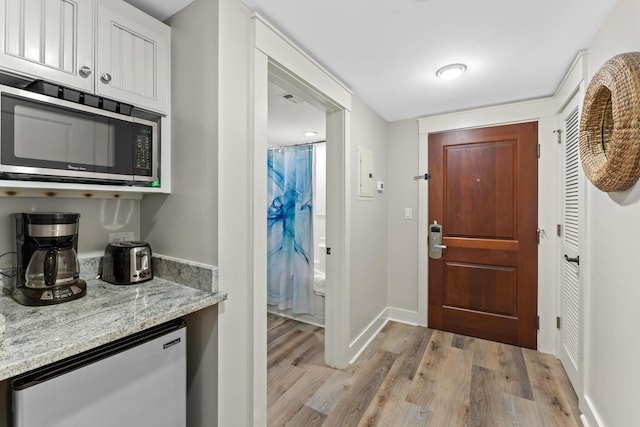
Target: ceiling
{"x":387,"y":51}
{"x":289,"y":117}
{"x":160,"y":9}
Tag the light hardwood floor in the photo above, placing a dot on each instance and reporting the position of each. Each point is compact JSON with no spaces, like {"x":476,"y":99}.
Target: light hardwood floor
{"x":413,"y":376}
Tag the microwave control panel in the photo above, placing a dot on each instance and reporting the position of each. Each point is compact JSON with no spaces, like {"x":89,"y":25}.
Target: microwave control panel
{"x":143,"y":148}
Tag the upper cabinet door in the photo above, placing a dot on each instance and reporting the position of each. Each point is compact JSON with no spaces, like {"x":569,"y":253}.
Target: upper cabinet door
{"x":132,"y":57}
{"x":49,"y":39}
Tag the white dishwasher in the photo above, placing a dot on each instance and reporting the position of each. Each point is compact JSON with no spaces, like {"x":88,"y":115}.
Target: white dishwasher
{"x":137,"y":381}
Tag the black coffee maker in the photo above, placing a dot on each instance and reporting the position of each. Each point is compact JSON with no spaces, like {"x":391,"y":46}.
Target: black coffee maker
{"x":48,"y":269}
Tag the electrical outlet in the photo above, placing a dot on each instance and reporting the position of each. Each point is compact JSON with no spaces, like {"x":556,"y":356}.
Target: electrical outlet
{"x":125,"y":236}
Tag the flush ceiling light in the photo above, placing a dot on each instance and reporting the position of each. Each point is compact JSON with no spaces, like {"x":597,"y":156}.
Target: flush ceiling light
{"x":451,"y":71}
{"x":310,"y":133}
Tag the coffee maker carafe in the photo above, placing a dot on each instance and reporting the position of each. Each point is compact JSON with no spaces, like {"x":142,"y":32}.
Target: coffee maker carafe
{"x":48,"y":268}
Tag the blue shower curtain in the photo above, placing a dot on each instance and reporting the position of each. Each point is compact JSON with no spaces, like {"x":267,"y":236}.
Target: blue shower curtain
{"x":290,"y":229}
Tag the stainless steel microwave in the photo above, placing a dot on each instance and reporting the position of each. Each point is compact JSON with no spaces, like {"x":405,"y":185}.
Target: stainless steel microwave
{"x":48,"y":138}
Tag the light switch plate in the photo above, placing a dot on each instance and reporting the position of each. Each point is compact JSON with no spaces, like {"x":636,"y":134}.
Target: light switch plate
{"x":408,"y":213}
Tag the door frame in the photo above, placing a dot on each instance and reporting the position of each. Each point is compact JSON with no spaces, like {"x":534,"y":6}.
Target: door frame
{"x":275,"y":54}
{"x":575,"y":375}
{"x":575,"y":85}
{"x":543,"y":111}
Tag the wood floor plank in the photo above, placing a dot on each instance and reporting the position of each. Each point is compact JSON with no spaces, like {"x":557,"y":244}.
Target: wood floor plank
{"x":548,"y":393}
{"x":407,"y":415}
{"x":443,"y":382}
{"x":485,"y":353}
{"x":288,"y":405}
{"x":313,"y":353}
{"x":307,"y":417}
{"x":514,"y":378}
{"x":339,"y":383}
{"x":451,"y":406}
{"x":348,"y":412}
{"x":413,"y":376}
{"x":294,"y":343}
{"x":327,"y":396}
{"x":278,"y":326}
{"x":280,"y":379}
{"x":390,"y":396}
{"x":485,"y":402}
{"x":521,"y":412}
{"x":568,"y":391}
{"x":396,"y":337}
{"x":435,"y":357}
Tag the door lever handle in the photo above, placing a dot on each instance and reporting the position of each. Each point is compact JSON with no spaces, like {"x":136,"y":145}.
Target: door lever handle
{"x":576,"y":259}
{"x":440,"y":246}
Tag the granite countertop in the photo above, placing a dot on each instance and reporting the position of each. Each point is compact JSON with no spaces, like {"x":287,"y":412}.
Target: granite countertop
{"x":37,"y":336}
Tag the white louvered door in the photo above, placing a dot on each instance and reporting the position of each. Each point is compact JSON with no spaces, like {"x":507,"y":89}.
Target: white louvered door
{"x":570,"y":310}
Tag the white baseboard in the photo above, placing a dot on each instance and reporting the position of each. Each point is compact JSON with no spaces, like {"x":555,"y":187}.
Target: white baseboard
{"x":590,"y":417}
{"x":305,"y":318}
{"x":358,"y":345}
{"x":404,"y":316}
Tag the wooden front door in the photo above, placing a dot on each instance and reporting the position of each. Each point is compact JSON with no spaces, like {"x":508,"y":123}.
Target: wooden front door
{"x":483,"y":191}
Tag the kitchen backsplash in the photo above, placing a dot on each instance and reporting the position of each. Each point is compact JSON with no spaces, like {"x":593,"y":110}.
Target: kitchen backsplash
{"x":198,"y":276}
{"x":194,"y":275}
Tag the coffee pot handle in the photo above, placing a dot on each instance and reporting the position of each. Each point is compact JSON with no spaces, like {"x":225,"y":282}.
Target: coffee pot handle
{"x":51,"y":267}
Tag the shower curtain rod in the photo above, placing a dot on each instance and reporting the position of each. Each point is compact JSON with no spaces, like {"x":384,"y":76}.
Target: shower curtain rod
{"x":296,"y":145}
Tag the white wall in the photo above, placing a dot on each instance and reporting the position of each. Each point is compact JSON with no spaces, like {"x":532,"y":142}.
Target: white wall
{"x":613,"y":289}
{"x":98,"y":218}
{"x":236,"y":174}
{"x":185,"y":223}
{"x":368,"y":223}
{"x":402,"y":234}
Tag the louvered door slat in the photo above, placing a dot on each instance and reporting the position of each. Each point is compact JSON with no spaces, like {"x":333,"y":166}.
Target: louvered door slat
{"x":571,"y":290}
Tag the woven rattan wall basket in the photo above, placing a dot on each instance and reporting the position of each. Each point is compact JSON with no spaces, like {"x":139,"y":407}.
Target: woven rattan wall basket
{"x":610,"y":124}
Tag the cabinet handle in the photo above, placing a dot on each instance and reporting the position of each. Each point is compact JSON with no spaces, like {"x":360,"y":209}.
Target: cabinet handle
{"x":106,"y":78}
{"x":85,"y":71}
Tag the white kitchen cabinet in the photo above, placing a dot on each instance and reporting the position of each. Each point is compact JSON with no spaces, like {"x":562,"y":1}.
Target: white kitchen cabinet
{"x":133,"y":63}
{"x":53,"y":40}
{"x":50,"y":40}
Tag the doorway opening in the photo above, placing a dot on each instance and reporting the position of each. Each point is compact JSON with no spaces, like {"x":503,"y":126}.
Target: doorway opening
{"x":336,"y":229}
{"x":296,"y":206}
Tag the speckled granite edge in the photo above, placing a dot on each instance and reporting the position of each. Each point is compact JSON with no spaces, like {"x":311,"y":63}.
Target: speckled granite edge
{"x":198,"y":276}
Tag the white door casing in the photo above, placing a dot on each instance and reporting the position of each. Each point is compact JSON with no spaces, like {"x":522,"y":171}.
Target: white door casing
{"x":274,"y":51}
